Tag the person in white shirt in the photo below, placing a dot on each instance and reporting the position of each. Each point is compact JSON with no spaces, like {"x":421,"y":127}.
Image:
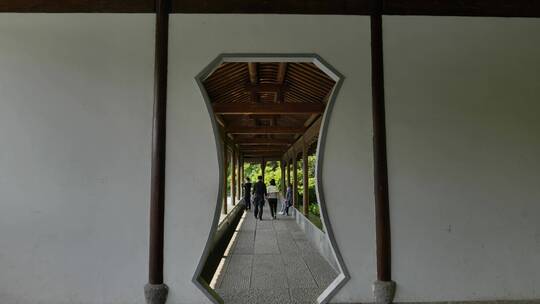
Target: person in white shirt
{"x":273,"y":193}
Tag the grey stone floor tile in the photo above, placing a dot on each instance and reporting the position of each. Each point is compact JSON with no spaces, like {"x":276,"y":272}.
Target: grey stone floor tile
{"x":245,"y":243}
{"x":272,"y":262}
{"x":305,"y":247}
{"x":298,"y":273}
{"x":321,"y":271}
{"x":266,"y":242}
{"x":265,"y":224}
{"x":249,"y":224}
{"x":305,"y":295}
{"x":256,"y":296}
{"x":287,"y":246}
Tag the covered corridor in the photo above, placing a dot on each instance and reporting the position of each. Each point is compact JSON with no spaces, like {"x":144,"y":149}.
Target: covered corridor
{"x":271,"y":261}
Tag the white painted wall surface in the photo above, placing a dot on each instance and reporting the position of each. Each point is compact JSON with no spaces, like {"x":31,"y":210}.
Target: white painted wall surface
{"x":75,"y":131}
{"x":463,"y":149}
{"x":192,"y":181}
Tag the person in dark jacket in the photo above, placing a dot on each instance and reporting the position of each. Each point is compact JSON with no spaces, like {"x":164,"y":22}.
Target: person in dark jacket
{"x":247,"y":193}
{"x":259,"y":191}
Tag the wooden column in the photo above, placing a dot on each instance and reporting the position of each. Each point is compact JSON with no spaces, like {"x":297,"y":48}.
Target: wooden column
{"x":295,"y":181}
{"x":382,"y":212}
{"x":283,"y":181}
{"x":224,"y":182}
{"x":240,"y":178}
{"x":305,"y":178}
{"x":243,"y":173}
{"x":233,"y":176}
{"x":288,"y":172}
{"x":157,"y":188}
{"x":263,"y":167}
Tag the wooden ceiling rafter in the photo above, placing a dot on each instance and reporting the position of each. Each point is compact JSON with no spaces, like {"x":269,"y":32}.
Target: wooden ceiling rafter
{"x":268,"y":106}
{"x":263,"y":141}
{"x":273,"y":108}
{"x":264,"y":130}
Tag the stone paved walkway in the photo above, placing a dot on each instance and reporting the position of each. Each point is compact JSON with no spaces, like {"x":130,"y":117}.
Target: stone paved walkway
{"x":271,"y":261}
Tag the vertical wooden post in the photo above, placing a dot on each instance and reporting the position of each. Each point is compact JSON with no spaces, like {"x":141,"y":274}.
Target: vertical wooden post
{"x":283,"y":181}
{"x":288,"y":172}
{"x":384,"y":288}
{"x":155,"y":291}
{"x":225,"y":175}
{"x":263,"y":167}
{"x":305,"y":176}
{"x":233,"y":176}
{"x":240,"y":177}
{"x":295,"y":181}
{"x":379,"y":151}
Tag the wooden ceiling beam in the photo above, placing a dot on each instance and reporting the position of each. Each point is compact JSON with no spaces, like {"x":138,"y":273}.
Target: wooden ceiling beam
{"x":253,"y":77}
{"x":337,"y":7}
{"x":80,"y":6}
{"x":270,"y":108}
{"x":258,"y":160}
{"x":264,"y":130}
{"x":265,"y":156}
{"x":263,"y":148}
{"x":267,"y":88}
{"x":264,"y":144}
{"x":263,"y":141}
{"x":282,"y":71}
{"x":473,"y":8}
{"x":311,"y":135}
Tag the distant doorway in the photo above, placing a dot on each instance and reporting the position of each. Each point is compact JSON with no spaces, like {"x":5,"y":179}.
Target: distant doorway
{"x":269,"y":115}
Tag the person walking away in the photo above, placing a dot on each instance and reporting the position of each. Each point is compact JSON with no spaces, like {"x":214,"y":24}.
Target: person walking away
{"x":259,"y":191}
{"x":273,"y":193}
{"x":288,"y":198}
{"x":247,"y":193}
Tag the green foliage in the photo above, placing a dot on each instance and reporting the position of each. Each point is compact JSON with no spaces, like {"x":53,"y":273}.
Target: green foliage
{"x":314,"y":209}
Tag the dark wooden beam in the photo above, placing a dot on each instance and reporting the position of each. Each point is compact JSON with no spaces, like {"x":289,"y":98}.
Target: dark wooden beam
{"x":263,"y":149}
{"x":480,"y":8}
{"x":282,"y":71}
{"x":257,"y":159}
{"x":79,"y":6}
{"x":253,"y":79}
{"x":264,"y":130}
{"x":253,"y":75}
{"x":382,"y":209}
{"x":157,"y":189}
{"x":266,"y":88}
{"x":268,"y":108}
{"x":263,"y":141}
{"x":330,"y":7}
{"x":266,"y":157}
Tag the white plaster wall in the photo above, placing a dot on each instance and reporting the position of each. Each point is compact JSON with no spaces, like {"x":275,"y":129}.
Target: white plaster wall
{"x":75,"y":131}
{"x":192,"y":181}
{"x":463,"y":111}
